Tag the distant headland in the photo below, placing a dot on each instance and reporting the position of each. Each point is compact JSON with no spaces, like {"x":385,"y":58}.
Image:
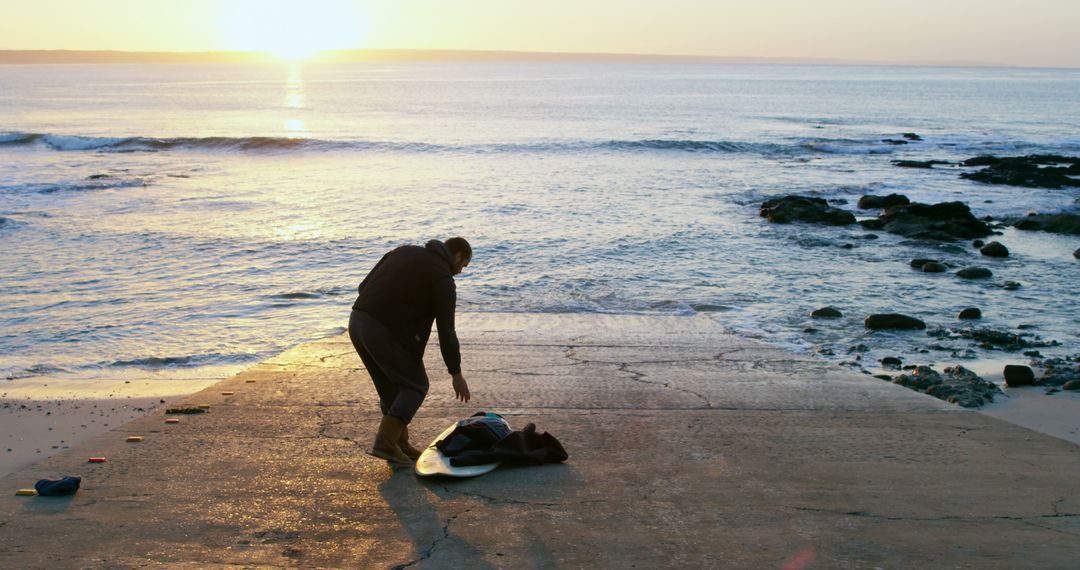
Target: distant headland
{"x":401,"y":55}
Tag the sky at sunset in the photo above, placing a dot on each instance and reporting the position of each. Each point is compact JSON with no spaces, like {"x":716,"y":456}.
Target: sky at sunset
{"x":1034,"y":33}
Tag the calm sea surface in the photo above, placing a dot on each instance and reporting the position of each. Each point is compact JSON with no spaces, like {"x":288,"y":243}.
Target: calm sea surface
{"x":184,"y":219}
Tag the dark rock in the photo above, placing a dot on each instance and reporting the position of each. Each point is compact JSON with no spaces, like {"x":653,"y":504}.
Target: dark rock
{"x":838,"y":201}
{"x":869,"y":202}
{"x":958,"y":385}
{"x":1060,"y":371}
{"x":186,"y":410}
{"x":970,"y":313}
{"x":858,"y":348}
{"x":893,"y":321}
{"x":814,"y":242}
{"x":1032,"y":171}
{"x":1062,"y":223}
{"x":1018,"y":375}
{"x":788,"y":209}
{"x":1033,"y":353}
{"x":911,"y":136}
{"x":920,"y":379}
{"x":1076,"y":253}
{"x":918,"y":262}
{"x":978,"y":243}
{"x":993,"y":340}
{"x":878,"y":376}
{"x":918,"y":163}
{"x":934,"y":267}
{"x":984,"y":160}
{"x":809,"y":330}
{"x":946,"y":221}
{"x":826,"y":312}
{"x":891,"y":362}
{"x":893,"y":141}
{"x":966,"y":354}
{"x":1072,"y":385}
{"x":975,"y":273}
{"x":1010,"y":285}
{"x":994,"y":249}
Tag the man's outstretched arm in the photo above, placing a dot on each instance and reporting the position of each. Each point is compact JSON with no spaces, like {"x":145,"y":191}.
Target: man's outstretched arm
{"x":445,"y":304}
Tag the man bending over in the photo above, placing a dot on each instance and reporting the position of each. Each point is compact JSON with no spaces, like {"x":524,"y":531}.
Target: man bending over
{"x":408,"y":289}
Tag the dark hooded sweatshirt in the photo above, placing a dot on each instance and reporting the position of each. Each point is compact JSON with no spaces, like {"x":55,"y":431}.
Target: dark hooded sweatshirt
{"x":408,"y":289}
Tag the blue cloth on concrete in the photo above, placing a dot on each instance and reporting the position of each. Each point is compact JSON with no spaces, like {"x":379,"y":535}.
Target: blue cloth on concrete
{"x":51,"y":488}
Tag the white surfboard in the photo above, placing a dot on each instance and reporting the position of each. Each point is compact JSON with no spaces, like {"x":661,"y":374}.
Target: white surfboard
{"x":433,"y":462}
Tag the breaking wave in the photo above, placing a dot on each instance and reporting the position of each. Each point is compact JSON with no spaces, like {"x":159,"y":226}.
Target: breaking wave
{"x":190,"y":361}
{"x":88,"y":185}
{"x":75,"y":143}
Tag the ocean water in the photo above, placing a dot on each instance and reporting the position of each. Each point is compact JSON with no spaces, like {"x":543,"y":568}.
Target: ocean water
{"x":190,"y":219}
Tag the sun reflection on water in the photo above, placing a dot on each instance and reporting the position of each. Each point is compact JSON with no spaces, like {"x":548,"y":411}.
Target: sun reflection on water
{"x":294,"y":101}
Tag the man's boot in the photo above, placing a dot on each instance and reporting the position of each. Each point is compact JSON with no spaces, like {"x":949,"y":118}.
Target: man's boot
{"x":406,"y":447}
{"x":386,"y":446}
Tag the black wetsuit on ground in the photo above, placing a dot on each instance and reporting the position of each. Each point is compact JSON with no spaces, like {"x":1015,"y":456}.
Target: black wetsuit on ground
{"x":410,"y":288}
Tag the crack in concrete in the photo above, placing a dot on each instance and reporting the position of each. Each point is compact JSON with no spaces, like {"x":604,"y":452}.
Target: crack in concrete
{"x":506,"y":501}
{"x":290,"y":366}
{"x":579,"y":361}
{"x":519,"y":369}
{"x":640,"y":377}
{"x":325,"y":425}
{"x":430,"y":549}
{"x":1055,"y":504}
{"x":864,"y":514}
{"x":339,"y":355}
{"x":578,"y":344}
{"x":1049,"y":528}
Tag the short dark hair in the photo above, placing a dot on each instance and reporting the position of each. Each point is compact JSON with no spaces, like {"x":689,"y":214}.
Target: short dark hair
{"x":459,"y":245}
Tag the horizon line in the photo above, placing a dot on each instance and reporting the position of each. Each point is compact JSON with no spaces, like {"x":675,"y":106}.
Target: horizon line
{"x":69,"y":56}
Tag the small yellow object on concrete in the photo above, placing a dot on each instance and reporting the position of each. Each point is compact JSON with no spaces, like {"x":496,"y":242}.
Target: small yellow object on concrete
{"x":134,"y":438}
{"x":227,"y":393}
{"x":26,"y":492}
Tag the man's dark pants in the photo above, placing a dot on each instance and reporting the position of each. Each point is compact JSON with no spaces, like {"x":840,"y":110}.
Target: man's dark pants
{"x":399,"y":377}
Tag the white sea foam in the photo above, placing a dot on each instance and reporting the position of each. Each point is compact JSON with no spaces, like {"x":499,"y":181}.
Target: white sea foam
{"x":61,"y":142}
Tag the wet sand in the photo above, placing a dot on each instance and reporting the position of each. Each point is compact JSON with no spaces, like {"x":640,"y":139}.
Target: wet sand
{"x":42,"y":416}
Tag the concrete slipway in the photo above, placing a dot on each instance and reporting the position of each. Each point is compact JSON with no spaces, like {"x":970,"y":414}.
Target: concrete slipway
{"x":689,"y":448}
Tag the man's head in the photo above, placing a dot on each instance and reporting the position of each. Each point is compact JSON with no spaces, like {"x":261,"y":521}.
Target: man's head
{"x":460,"y":253}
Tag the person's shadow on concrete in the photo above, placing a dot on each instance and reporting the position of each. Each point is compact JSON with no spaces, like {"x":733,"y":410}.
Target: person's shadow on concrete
{"x":526,"y":493}
{"x":430,"y":531}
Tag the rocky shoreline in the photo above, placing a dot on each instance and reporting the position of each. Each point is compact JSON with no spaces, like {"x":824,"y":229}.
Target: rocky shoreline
{"x":944,"y":224}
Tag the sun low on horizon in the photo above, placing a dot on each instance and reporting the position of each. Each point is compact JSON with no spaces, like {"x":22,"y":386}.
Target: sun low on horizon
{"x":291,"y":30}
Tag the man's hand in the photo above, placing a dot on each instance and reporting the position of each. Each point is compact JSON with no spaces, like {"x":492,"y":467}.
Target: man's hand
{"x":461,"y":387}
